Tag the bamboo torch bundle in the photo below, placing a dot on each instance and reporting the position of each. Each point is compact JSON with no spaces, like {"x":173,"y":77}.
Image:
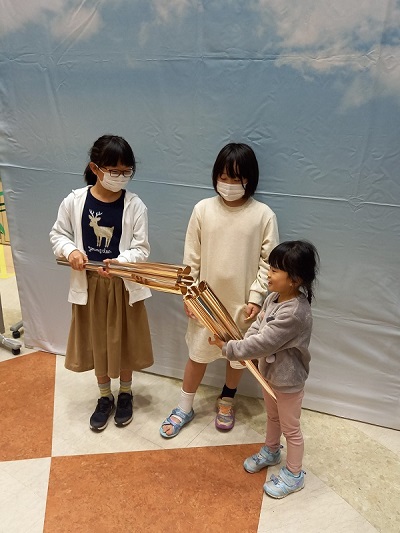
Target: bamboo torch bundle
{"x":199,"y":297}
{"x":209,"y":310}
{"x":158,"y":276}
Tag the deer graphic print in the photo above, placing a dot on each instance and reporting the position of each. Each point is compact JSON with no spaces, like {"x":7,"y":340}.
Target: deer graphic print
{"x":100,"y":231}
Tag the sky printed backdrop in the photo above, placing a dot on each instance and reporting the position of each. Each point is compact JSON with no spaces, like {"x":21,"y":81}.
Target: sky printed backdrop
{"x":312,"y":85}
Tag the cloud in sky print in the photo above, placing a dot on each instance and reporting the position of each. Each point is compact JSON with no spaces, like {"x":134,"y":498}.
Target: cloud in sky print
{"x":358,"y":41}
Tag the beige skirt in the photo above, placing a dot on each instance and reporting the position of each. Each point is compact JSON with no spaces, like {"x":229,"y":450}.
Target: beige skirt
{"x":107,"y":334}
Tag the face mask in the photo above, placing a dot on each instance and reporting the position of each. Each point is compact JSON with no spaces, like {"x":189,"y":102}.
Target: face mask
{"x":230,"y":191}
{"x":114,"y":184}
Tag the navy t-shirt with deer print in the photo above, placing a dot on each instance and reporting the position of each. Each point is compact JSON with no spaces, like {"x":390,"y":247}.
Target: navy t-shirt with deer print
{"x":102,"y":227}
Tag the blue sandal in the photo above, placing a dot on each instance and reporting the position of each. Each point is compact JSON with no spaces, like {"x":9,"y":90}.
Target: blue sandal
{"x":184,"y":418}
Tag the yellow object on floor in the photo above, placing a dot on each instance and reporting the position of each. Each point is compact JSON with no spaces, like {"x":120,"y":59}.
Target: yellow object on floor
{"x":4,"y":271}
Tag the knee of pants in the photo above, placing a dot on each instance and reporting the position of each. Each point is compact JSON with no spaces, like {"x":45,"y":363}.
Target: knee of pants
{"x":292,"y":433}
{"x":273,"y":418}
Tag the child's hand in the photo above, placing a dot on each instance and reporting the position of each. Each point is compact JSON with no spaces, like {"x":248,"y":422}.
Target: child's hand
{"x":252,"y":311}
{"x":103,"y":271}
{"x":77,"y":260}
{"x":216,"y":342}
{"x":189,"y":312}
{"x":138,"y":279}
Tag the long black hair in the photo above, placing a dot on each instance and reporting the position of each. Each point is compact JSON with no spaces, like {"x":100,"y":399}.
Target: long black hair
{"x":300,"y":260}
{"x":109,"y":150}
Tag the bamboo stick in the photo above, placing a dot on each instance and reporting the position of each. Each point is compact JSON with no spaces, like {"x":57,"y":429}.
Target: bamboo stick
{"x":163,"y":287}
{"x":207,"y":321}
{"x":156,"y":269}
{"x":252,"y":368}
{"x":220,"y":316}
{"x":205,"y":289}
{"x":161,"y":267}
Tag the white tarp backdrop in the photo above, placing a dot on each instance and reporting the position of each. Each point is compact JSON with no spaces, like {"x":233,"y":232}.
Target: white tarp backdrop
{"x":313,"y":86}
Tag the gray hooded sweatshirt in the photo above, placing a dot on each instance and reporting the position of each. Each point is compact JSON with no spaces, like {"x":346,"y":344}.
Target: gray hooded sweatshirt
{"x":281,"y":334}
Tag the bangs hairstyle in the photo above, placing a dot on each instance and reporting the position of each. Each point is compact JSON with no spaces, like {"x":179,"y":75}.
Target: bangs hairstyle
{"x":300,"y":260}
{"x":239,"y":161}
{"x":109,"y":151}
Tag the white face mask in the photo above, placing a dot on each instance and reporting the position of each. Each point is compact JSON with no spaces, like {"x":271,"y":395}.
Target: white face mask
{"x":114,"y":184}
{"x":230,"y":191}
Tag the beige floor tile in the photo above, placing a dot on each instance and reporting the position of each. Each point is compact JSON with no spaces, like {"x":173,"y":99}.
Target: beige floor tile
{"x":23,"y":495}
{"x":76,"y":396}
{"x":355,"y":466}
{"x":240,"y":434}
{"x":390,"y":438}
{"x":315,"y":509}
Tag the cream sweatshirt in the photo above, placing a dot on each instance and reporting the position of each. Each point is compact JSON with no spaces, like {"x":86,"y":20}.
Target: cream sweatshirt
{"x":228,"y":247}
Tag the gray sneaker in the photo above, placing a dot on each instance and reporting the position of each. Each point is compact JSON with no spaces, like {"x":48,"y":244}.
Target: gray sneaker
{"x":284,"y":484}
{"x":262,"y":459}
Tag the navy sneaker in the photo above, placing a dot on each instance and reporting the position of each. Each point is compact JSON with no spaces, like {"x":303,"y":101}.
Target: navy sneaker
{"x":124,"y":412}
{"x":103,"y":411}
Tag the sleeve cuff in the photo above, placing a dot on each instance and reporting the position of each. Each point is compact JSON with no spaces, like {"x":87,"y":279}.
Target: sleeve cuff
{"x":256,"y":298}
{"x":68,"y":248}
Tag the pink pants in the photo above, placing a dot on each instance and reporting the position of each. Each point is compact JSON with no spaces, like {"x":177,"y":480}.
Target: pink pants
{"x":283,"y":416}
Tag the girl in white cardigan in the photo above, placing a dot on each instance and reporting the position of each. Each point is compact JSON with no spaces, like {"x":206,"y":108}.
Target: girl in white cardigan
{"x":109,"y":330}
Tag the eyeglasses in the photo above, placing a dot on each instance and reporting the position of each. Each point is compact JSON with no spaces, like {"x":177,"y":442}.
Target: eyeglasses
{"x":117,"y":173}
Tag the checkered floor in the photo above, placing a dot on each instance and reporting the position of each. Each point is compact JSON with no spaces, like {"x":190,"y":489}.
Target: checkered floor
{"x":58,"y":476}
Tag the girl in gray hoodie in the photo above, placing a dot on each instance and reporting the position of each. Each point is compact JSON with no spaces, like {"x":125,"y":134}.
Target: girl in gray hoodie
{"x":279,"y":338}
